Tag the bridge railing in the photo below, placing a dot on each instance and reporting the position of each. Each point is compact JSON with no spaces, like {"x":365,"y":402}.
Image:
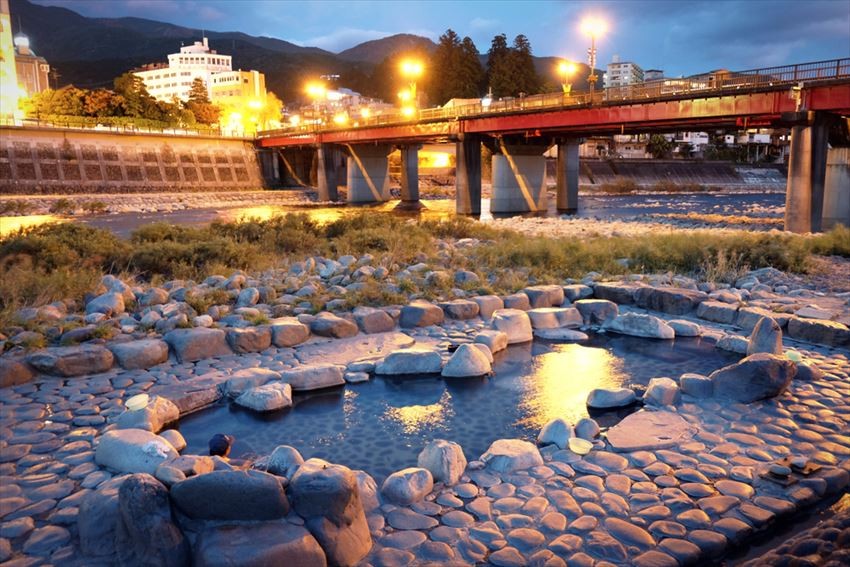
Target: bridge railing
{"x":716,"y":81}
{"x":91,"y":124}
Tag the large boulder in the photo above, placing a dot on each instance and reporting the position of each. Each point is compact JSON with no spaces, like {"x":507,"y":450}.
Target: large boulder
{"x":818,"y":331}
{"x":71,"y":360}
{"x":748,"y":317}
{"x":662,"y":392}
{"x":467,"y":360}
{"x":407,"y":486}
{"x":515,"y":323}
{"x":243,"y":380}
{"x":509,"y":455}
{"x":135,"y":355}
{"x":231,"y":495}
{"x":597,"y":311}
{"x":415,"y":360}
{"x":487,"y":304}
{"x":444,"y":460}
{"x":619,"y":293}
{"x":269,"y":397}
{"x":147,"y":534}
{"x":284,"y":461}
{"x":574,"y":292}
{"x":420,"y":313}
{"x":190,"y":345}
{"x":249,"y":339}
{"x":640,"y":325}
{"x":288,"y":332}
{"x":110,"y":303}
{"x":517,"y":301}
{"x":673,"y":300}
{"x":98,"y":519}
{"x":460,"y":309}
{"x":371,"y":320}
{"x":329,"y":325}
{"x":756,"y":377}
{"x":717,"y":311}
{"x":133,"y":451}
{"x":556,"y":432}
{"x":544,"y":295}
{"x":607,"y":398}
{"x":495,"y":340}
{"x":554,"y":317}
{"x":327,"y":497}
{"x":314,"y":377}
{"x":14,"y":371}
{"x":258,"y":545}
{"x":158,"y":413}
{"x":649,"y":431}
{"x":766,"y":337}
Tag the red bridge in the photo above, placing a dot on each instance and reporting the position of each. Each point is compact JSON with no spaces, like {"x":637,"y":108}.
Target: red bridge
{"x":813,"y":99}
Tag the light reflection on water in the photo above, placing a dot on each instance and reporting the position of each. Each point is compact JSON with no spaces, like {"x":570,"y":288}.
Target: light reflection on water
{"x":8,"y":225}
{"x":381,"y":425}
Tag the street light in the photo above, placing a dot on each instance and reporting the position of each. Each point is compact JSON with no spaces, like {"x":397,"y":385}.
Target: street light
{"x":593,"y":27}
{"x":567,"y":69}
{"x":316,"y":91}
{"x":412,"y":70}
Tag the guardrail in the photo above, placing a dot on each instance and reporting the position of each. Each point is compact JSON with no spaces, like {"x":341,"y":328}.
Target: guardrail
{"x":714,"y":82}
{"x":72,"y":124}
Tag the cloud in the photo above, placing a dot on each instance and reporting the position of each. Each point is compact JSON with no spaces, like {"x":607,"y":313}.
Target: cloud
{"x":344,"y":38}
{"x":483,"y":23}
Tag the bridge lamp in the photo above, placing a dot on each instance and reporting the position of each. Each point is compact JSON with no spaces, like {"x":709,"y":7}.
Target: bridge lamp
{"x":408,"y":111}
{"x":405,"y":95}
{"x":255,"y":104}
{"x":316,"y":90}
{"x":594,"y":27}
{"x":412,"y":69}
{"x":294,"y":120}
{"x":365,"y":113}
{"x":567,"y":69}
{"x":340,"y":119}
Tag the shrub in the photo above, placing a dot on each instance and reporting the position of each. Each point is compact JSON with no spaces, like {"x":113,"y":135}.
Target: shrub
{"x":15,"y":207}
{"x":94,"y":207}
{"x":620,"y":186}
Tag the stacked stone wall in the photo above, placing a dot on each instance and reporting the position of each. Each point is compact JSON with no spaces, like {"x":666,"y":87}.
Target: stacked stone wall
{"x":45,"y":161}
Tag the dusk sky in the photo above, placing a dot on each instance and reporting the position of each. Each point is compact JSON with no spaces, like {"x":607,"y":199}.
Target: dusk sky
{"x":677,"y":36}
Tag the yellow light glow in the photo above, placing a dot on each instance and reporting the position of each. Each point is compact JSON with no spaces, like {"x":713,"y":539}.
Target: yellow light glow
{"x":294,"y":120}
{"x":365,"y":113}
{"x":560,"y":381}
{"x":593,"y":26}
{"x":405,"y":95}
{"x":414,"y":419}
{"x":567,"y":68}
{"x":408,"y":111}
{"x":9,"y":225}
{"x":255,"y":104}
{"x":340,"y":119}
{"x":316,"y":90}
{"x":411,"y":68}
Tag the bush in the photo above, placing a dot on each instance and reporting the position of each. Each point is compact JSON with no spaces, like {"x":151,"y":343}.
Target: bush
{"x":15,"y":207}
{"x":94,"y":207}
{"x":62,"y":206}
{"x":620,"y":186}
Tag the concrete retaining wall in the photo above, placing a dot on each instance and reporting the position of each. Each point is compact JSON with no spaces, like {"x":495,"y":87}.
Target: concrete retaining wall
{"x":43,"y":161}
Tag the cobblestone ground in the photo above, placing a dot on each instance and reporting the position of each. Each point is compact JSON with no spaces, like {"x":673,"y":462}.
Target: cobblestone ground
{"x":680,"y":505}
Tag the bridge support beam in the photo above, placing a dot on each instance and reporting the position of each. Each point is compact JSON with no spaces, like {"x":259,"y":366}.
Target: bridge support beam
{"x":410,"y":177}
{"x":567,"y":176}
{"x":468,"y":175}
{"x":836,"y":198}
{"x":269,"y":167}
{"x":328,"y":172}
{"x":368,"y":173}
{"x":519,"y":179}
{"x":297,"y":165}
{"x":806,"y":173}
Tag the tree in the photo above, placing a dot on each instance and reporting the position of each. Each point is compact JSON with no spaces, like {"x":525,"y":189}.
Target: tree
{"x":521,"y":64}
{"x":138,"y":103}
{"x":102,"y":102}
{"x":498,"y":73}
{"x":659,"y":146}
{"x":198,"y":92}
{"x":456,"y":69}
{"x":686,"y":150}
{"x":471,"y":75}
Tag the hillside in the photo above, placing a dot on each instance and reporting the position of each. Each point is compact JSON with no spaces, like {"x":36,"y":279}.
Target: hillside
{"x":376,"y":50}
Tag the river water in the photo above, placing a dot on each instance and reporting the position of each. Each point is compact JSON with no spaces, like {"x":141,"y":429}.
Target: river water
{"x":758,"y":206}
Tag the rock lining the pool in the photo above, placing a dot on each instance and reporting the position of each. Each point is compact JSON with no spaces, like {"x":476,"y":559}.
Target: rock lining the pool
{"x":518,"y":502}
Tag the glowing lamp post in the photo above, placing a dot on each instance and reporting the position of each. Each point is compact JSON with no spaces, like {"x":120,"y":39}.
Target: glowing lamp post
{"x":567,"y":69}
{"x":593,"y":27}
{"x":412,"y":70}
{"x":316,"y":91}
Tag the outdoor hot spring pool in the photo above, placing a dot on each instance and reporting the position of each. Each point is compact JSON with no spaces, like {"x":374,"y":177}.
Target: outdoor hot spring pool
{"x":380,"y":426}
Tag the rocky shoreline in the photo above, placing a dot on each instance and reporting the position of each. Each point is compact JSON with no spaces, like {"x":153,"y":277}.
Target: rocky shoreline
{"x":709,"y":461}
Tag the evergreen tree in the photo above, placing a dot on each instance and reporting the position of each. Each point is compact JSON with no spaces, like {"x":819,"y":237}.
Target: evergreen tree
{"x":446,"y":66}
{"x":138,"y":103}
{"x":522,"y":67}
{"x":199,"y":103}
{"x":198,"y":92}
{"x":498,"y":71}
{"x":471,"y":76}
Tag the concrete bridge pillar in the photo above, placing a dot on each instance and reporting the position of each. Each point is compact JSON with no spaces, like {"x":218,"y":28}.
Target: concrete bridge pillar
{"x":519,"y":179}
{"x":806,"y":173}
{"x":296,"y":167}
{"x":567,"y":176}
{"x":836,"y":198}
{"x":410,"y":177}
{"x":368,"y":173}
{"x":328,"y":172}
{"x":468,"y":175}
{"x":269,"y":167}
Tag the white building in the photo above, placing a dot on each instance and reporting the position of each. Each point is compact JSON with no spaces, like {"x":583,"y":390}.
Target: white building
{"x":622,"y":73}
{"x":174,"y":80}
